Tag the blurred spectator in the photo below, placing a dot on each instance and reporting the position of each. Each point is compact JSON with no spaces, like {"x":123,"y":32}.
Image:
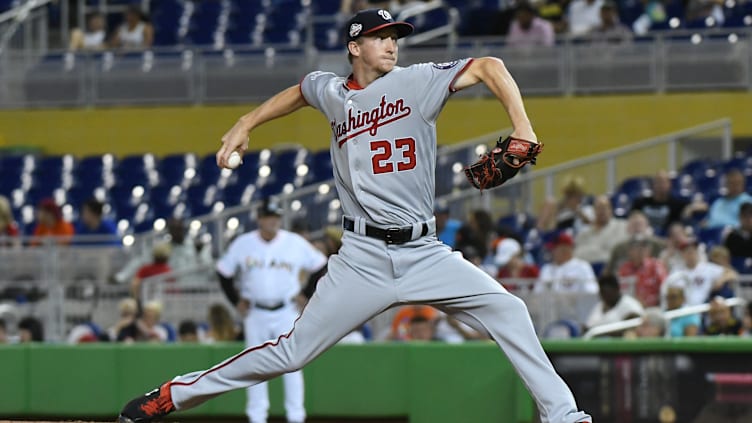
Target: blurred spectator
{"x":611,"y":30}
{"x":221,"y":326}
{"x":136,"y":32}
{"x":351,"y":7}
{"x":720,"y":255}
{"x":675,"y":299}
{"x":50,"y":223}
{"x":405,"y":315}
{"x":584,"y":16}
{"x":653,"y":325}
{"x":637,"y":227}
{"x":453,"y":331}
{"x":3,"y":332}
{"x":478,"y":233}
{"x":725,"y":210}
{"x":188,"y":332}
{"x":572,"y":211}
{"x":145,"y":328}
{"x":128,"y":310}
{"x":566,"y":273}
{"x":703,"y":9}
{"x":185,"y":255}
{"x":446,"y":227}
{"x":662,"y":208}
{"x":720,"y":319}
{"x":420,"y":328}
{"x":672,"y":256}
{"x":93,"y":37}
{"x":528,"y":30}
{"x":511,"y":264}
{"x":739,"y":241}
{"x":614,"y":306}
{"x":8,"y":227}
{"x":654,"y":13}
{"x":93,"y":224}
{"x":595,"y":242}
{"x":747,"y":320}
{"x":554,"y":11}
{"x":85,"y":333}
{"x":471,"y":254}
{"x":703,"y":277}
{"x":158,"y":266}
{"x":645,"y":272}
{"x":30,"y":330}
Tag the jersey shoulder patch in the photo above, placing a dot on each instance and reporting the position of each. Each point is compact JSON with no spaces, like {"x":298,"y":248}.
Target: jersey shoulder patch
{"x":446,"y":65}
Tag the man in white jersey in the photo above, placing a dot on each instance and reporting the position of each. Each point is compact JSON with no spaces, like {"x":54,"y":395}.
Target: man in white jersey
{"x":383,"y":148}
{"x":702,"y":277}
{"x":268,"y":262}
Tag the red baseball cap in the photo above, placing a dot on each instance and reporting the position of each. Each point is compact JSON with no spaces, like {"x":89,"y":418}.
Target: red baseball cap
{"x":562,"y":239}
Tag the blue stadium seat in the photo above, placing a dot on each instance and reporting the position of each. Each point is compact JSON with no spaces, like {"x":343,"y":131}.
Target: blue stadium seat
{"x":742,"y":265}
{"x":711,"y":236}
{"x":204,"y":22}
{"x":634,"y":187}
{"x":709,"y":186}
{"x":165,"y":17}
{"x":321,"y":166}
{"x":698,"y":168}
{"x":520,"y":223}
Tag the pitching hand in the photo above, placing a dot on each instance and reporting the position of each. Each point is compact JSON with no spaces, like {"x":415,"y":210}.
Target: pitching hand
{"x":236,"y":139}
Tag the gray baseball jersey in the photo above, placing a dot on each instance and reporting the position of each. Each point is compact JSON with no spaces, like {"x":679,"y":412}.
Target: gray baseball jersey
{"x":383,"y":150}
{"x":384,"y":139}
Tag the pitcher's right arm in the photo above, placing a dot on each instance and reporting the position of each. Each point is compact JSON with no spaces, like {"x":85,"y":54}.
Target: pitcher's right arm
{"x":281,"y":104}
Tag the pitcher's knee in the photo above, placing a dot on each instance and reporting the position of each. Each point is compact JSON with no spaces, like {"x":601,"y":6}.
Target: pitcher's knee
{"x":295,"y":361}
{"x":513,"y":304}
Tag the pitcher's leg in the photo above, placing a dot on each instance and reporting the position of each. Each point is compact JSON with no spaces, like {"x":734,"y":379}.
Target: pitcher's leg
{"x":344,"y":299}
{"x":294,"y":395}
{"x":448,"y":281}
{"x":257,"y":406}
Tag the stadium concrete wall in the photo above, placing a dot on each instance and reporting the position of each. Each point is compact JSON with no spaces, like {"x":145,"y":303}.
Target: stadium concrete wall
{"x":570,"y":126}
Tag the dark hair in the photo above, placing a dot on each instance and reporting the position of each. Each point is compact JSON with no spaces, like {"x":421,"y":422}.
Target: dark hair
{"x":745,"y":208}
{"x":95,"y":206}
{"x":606,"y":281}
{"x":187,"y":327}
{"x":34,"y":326}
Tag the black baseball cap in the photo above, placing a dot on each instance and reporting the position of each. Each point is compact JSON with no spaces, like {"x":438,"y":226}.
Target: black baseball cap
{"x":371,"y":20}
{"x":269,"y":207}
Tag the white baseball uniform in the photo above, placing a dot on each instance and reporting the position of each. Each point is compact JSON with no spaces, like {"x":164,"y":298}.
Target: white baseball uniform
{"x":575,"y":275}
{"x":270,"y":279}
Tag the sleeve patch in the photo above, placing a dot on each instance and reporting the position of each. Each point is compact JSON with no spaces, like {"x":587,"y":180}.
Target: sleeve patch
{"x":446,"y":65}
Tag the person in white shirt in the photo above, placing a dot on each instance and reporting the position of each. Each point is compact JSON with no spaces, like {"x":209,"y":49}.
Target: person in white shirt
{"x":93,"y":38}
{"x":136,"y":32}
{"x":566,"y":273}
{"x":614,"y":306}
{"x":268,"y":262}
{"x":584,"y":16}
{"x":595,"y":242}
{"x":702,"y":277}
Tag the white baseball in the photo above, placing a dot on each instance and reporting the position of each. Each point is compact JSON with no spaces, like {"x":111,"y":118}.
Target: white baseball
{"x":234,"y":160}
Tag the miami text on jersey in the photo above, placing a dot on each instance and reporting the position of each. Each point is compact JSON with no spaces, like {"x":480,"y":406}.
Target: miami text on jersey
{"x":252,"y":262}
{"x":359,"y":121}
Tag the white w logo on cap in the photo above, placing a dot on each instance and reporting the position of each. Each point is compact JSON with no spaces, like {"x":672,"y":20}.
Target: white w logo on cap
{"x":386,"y":15}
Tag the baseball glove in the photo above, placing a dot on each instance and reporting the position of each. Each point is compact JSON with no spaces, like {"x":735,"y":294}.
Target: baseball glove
{"x":499,"y":165}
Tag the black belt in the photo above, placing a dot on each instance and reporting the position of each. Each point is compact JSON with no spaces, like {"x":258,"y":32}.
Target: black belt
{"x":388,"y":235}
{"x":269,"y":307}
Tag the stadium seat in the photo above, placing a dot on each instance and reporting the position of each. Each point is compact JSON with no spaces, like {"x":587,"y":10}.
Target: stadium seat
{"x":698,"y":168}
{"x":709,"y":186}
{"x":635,"y":187}
{"x":711,"y":236}
{"x":519,"y":223}
{"x":742,"y":265}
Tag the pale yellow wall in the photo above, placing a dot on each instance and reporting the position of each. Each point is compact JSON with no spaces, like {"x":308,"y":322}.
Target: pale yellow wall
{"x":570,"y":127}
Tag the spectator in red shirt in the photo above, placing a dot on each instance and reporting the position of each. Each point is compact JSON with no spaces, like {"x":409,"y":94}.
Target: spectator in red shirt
{"x":511,"y":264}
{"x":161,"y":255}
{"x":50,"y":222}
{"x":647,"y":273}
{"x":8,"y":227}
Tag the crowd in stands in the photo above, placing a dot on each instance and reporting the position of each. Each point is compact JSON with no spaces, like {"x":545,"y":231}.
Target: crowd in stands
{"x":650,"y":260}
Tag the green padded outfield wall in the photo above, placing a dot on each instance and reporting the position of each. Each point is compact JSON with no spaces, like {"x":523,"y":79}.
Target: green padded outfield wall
{"x":433,"y":382}
{"x":571,"y":127}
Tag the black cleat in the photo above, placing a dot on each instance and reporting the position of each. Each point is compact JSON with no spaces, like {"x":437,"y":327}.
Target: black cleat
{"x":148,"y":408}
